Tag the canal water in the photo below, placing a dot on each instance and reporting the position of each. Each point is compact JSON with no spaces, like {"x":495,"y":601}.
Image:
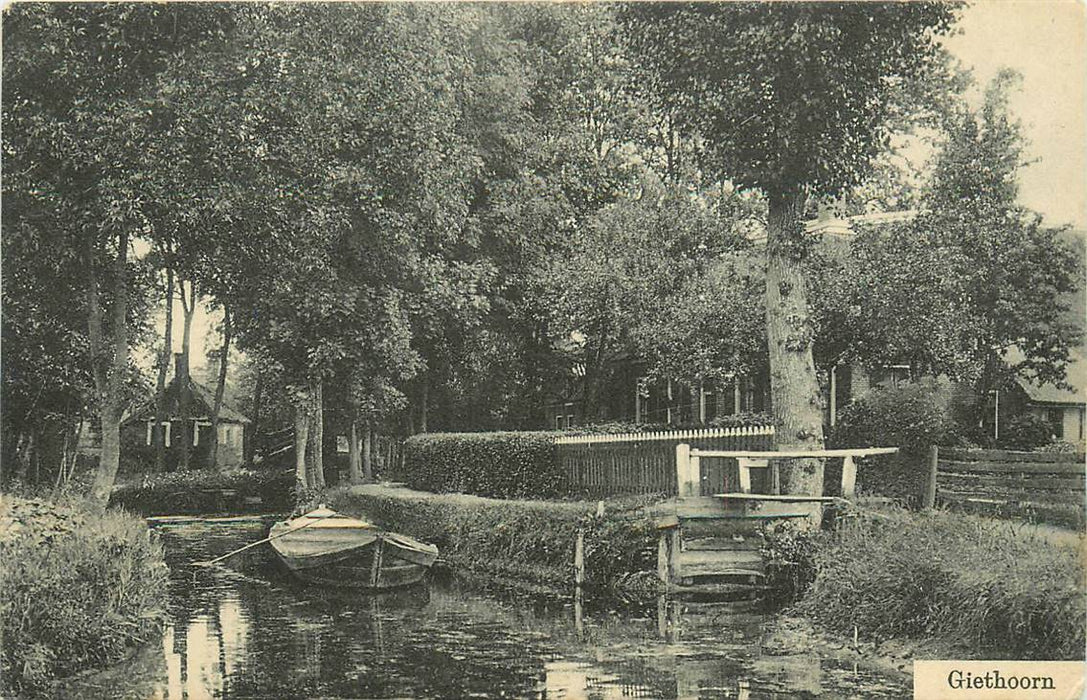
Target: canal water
{"x":250,"y":631}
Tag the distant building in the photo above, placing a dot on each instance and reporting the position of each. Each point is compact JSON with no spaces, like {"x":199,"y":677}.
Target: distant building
{"x":138,"y":435}
{"x":1064,"y":408}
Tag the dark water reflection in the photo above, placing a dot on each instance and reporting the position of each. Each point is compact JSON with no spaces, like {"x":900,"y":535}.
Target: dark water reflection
{"x":257,"y":634}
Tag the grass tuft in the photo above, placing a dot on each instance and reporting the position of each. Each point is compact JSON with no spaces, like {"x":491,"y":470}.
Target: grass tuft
{"x":997,"y":587}
{"x":80,"y":589}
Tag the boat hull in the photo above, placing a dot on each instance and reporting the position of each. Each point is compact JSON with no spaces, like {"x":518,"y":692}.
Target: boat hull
{"x":352,"y":557}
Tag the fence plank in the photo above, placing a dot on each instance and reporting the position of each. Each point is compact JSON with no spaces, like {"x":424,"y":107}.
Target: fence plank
{"x":1051,"y":497}
{"x":1029,"y":481}
{"x":642,"y":463}
{"x":1019,"y":482}
{"x":1008,"y":456}
{"x":1012,"y":467}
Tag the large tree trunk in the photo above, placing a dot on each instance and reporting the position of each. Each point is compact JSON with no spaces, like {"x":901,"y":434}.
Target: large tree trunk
{"x":254,"y":429}
{"x":301,"y":439}
{"x":109,"y":372}
{"x":424,"y":404}
{"x":188,"y":307}
{"x":794,"y":387}
{"x":368,"y":453}
{"x":354,"y":458}
{"x":220,"y":387}
{"x":158,"y":432}
{"x":319,"y":433}
{"x":315,"y":454}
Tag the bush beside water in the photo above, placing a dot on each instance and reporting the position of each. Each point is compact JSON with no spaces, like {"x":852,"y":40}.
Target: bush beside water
{"x":198,"y":491}
{"x":80,"y":590}
{"x":999,"y":588}
{"x":524,"y":545}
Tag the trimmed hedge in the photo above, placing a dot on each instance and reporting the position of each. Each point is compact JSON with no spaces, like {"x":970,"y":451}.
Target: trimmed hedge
{"x":499,"y":464}
{"x":520,"y":545}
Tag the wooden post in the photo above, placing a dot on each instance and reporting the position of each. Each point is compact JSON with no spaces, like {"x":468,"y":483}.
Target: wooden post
{"x":745,"y":474}
{"x":694,"y":475}
{"x":674,"y":549}
{"x":579,"y":559}
{"x":928,"y":498}
{"x":849,"y":477}
{"x":683,"y":458}
{"x":662,"y":557}
{"x":833,"y":395}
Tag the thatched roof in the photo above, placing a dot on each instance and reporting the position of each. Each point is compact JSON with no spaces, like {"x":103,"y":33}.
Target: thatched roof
{"x":201,"y":402}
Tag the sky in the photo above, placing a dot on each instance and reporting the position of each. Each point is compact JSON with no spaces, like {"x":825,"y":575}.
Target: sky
{"x":1046,"y":42}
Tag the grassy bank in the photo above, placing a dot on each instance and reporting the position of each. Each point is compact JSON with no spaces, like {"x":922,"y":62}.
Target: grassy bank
{"x":199,"y":492}
{"x":995,"y":588}
{"x":522,"y":545}
{"x":80,"y":590}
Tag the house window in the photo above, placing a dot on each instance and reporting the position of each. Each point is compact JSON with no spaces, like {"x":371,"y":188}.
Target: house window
{"x":893,"y":375}
{"x":1055,"y":416}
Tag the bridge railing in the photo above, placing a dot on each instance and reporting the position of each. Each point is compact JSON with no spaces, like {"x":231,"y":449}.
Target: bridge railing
{"x":690,"y":476}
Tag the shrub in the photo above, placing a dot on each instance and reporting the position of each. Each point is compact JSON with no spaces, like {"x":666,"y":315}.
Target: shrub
{"x":81,"y":589}
{"x":993,"y":586}
{"x":911,"y":417}
{"x":525,"y":545}
{"x":198,"y":491}
{"x":790,"y":555}
{"x":1026,"y":432}
{"x":501,"y":464}
{"x":732,"y":420}
{"x":743,"y":420}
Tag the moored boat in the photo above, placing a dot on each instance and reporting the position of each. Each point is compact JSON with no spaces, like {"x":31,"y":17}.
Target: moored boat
{"x":329,"y":548}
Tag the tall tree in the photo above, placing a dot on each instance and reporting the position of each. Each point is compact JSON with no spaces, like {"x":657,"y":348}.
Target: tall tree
{"x":792,"y":99}
{"x":1015,"y":275}
{"x":74,"y":123}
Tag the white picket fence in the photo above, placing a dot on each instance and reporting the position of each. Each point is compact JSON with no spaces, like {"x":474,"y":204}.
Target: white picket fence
{"x":698,"y":434}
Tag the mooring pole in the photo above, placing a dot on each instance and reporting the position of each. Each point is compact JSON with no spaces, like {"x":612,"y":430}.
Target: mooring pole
{"x":579,"y":559}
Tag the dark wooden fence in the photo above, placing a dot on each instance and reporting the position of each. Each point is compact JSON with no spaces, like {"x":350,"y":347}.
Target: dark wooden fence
{"x":1039,"y":485}
{"x":640,"y":463}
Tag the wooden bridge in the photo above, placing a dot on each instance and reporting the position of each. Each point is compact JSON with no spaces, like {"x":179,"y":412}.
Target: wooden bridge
{"x":712,"y":545}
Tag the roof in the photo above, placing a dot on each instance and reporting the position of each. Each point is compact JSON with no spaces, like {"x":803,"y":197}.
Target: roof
{"x":1076,"y":376}
{"x":202,"y":401}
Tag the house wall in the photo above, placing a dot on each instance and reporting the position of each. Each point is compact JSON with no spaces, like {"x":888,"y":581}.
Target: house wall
{"x":231,"y":438}
{"x":1068,"y":419}
{"x":138,"y":455}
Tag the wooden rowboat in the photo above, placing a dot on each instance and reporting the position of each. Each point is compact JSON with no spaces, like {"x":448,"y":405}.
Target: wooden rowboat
{"x":331,"y":549}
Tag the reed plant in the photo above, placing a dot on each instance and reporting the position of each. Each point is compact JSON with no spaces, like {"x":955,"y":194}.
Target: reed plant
{"x":997,"y":588}
{"x":81,"y":589}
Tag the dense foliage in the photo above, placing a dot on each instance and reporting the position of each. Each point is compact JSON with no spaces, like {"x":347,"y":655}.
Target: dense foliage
{"x":522,"y":545}
{"x":911,"y":417}
{"x":503,"y":465}
{"x":997,"y":588}
{"x":425,"y":217}
{"x":1026,"y":432}
{"x":204,"y":491}
{"x":81,"y":589}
